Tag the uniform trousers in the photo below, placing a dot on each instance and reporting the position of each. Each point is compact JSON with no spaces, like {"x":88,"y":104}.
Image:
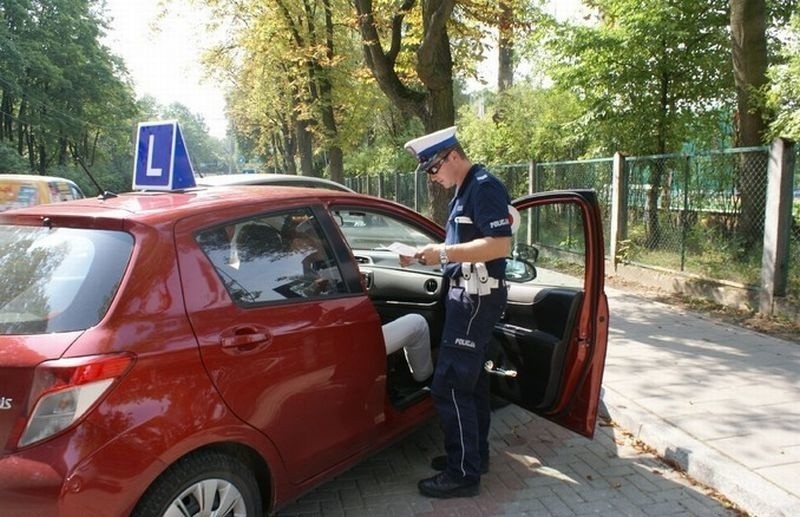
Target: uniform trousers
{"x":460,"y":386}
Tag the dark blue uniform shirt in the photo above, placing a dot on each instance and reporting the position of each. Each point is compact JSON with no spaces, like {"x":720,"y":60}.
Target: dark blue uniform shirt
{"x":479,"y":209}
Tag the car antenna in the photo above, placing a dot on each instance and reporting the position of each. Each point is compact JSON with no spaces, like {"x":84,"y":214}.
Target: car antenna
{"x":103,"y":194}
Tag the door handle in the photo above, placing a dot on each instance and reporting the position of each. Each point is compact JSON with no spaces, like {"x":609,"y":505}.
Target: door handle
{"x":368,"y":279}
{"x":502,"y":372}
{"x":245,"y":340}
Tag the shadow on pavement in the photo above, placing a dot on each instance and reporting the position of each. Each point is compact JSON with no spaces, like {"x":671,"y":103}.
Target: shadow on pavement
{"x":537,"y":468}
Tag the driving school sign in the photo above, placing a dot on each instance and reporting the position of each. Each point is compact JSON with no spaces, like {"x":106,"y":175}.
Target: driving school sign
{"x":161,"y":160}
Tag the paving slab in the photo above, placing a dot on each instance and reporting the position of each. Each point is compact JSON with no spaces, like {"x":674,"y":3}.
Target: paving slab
{"x":537,"y":468}
{"x":721,"y":403}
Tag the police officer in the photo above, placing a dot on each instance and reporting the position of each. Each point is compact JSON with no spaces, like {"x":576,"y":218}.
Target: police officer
{"x":473,"y":260}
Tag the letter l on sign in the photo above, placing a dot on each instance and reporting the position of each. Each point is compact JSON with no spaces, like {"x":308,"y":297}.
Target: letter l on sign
{"x":151,"y":171}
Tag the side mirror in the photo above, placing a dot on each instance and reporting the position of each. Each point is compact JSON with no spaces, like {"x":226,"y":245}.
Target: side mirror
{"x":519,"y":270}
{"x":525,"y":252}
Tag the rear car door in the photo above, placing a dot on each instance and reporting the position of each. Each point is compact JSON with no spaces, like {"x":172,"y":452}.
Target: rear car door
{"x":550,"y":345}
{"x":285,"y":331}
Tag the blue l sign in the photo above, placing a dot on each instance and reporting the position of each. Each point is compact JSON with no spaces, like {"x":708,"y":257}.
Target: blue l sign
{"x":161,"y":161}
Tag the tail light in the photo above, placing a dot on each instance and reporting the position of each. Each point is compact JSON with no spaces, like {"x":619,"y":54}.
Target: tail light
{"x":64,"y":390}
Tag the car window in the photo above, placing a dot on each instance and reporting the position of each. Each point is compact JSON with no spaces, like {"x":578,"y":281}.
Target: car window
{"x":369,"y":230}
{"x":58,"y":280}
{"x":273,"y":257}
{"x":552,"y":237}
{"x":64,"y":191}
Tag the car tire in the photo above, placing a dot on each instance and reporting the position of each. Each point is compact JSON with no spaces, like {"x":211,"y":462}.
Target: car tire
{"x":183,"y":489}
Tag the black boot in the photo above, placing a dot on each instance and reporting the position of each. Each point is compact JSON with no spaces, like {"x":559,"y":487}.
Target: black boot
{"x":443,"y":487}
{"x":440,"y":463}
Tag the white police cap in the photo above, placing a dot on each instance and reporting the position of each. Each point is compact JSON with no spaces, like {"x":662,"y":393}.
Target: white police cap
{"x":425,"y":148}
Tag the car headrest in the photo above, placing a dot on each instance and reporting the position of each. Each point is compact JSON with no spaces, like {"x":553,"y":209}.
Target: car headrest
{"x":253,"y":240}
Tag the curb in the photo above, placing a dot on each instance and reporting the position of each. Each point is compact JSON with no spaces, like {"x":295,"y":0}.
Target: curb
{"x":745,"y":488}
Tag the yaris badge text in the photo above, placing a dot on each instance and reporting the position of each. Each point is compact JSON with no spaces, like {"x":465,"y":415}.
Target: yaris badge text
{"x":5,"y":403}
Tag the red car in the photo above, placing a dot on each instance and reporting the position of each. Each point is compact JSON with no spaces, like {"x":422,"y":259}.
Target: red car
{"x":221,"y":348}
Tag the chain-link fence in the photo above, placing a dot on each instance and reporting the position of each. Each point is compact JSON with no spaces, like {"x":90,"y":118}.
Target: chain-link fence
{"x":593,"y":174}
{"x":699,"y":213}
{"x":406,"y":188}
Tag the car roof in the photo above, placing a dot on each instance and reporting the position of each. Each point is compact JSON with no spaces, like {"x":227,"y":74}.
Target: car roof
{"x":270,"y":179}
{"x":159,"y":207}
{"x":31,"y":177}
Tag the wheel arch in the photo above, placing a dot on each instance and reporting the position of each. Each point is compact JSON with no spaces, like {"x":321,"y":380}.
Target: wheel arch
{"x":249,"y":456}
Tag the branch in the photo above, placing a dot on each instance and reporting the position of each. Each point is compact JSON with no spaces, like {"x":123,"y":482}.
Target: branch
{"x":433,"y":33}
{"x":298,"y":38}
{"x":397,"y":30}
{"x":382,"y":67}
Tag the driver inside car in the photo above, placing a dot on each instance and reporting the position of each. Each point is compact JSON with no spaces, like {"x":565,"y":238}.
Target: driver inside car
{"x":409,"y":332}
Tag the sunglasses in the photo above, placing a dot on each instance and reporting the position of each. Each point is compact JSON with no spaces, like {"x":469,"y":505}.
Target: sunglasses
{"x":434,"y":168}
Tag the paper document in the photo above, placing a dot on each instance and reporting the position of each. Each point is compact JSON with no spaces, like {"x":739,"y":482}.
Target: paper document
{"x":402,"y":249}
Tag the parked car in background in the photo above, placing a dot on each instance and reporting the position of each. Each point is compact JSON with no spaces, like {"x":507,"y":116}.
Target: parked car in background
{"x":20,"y":190}
{"x":218,"y":351}
{"x":288,"y":180}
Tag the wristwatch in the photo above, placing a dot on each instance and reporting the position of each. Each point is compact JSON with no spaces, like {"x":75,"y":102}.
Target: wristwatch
{"x":443,"y":256}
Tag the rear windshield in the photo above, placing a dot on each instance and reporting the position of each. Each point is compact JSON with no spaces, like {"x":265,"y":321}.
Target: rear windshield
{"x":60,"y":279}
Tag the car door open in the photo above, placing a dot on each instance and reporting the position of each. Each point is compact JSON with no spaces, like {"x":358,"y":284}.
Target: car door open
{"x":550,"y":346}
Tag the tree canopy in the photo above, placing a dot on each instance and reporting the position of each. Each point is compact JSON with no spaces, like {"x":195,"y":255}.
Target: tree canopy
{"x":336,"y":87}
{"x":783,"y":89}
{"x":59,"y":84}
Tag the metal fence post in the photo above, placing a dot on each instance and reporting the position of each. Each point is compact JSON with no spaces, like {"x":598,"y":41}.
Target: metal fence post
{"x":531,"y":176}
{"x":619,"y":212}
{"x":532,"y":187}
{"x":685,"y":212}
{"x":777,"y":221}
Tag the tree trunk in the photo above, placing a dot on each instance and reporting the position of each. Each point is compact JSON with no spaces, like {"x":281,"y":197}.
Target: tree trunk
{"x":22,"y":129}
{"x":289,"y":149}
{"x":381,"y":63}
{"x":62,"y":151}
{"x":435,"y":69}
{"x":6,"y":108}
{"x":335,"y":154}
{"x":657,"y":170}
{"x":305,"y":148}
{"x":505,"y":47}
{"x":435,"y":107}
{"x":442,"y":115}
{"x":749,"y":53}
{"x":42,"y":166}
{"x":31,"y":145}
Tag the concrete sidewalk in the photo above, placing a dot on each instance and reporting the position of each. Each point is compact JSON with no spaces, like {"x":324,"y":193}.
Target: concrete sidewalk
{"x":721,"y":401}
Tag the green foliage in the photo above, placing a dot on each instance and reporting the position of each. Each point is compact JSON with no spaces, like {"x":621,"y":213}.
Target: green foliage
{"x":11,"y":161}
{"x":650,"y":73}
{"x":63,"y":95}
{"x":783,"y":92}
{"x":523,"y":122}
{"x":207,"y":153}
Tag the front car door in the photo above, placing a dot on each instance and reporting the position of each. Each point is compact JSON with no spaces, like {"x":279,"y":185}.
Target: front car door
{"x":552,"y":338}
{"x":554,"y":331}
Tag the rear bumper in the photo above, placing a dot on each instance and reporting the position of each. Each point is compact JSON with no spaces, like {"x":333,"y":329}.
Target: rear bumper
{"x":29,"y":487}
{"x":71,"y":475}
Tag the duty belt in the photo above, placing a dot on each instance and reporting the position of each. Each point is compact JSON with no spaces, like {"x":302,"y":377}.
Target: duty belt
{"x":475,"y":279}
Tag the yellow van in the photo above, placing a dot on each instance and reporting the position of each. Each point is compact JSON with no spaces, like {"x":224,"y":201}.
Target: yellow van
{"x":20,"y":190}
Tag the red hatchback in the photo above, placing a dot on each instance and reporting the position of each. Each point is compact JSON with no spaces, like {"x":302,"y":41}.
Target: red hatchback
{"x":221,"y":350}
